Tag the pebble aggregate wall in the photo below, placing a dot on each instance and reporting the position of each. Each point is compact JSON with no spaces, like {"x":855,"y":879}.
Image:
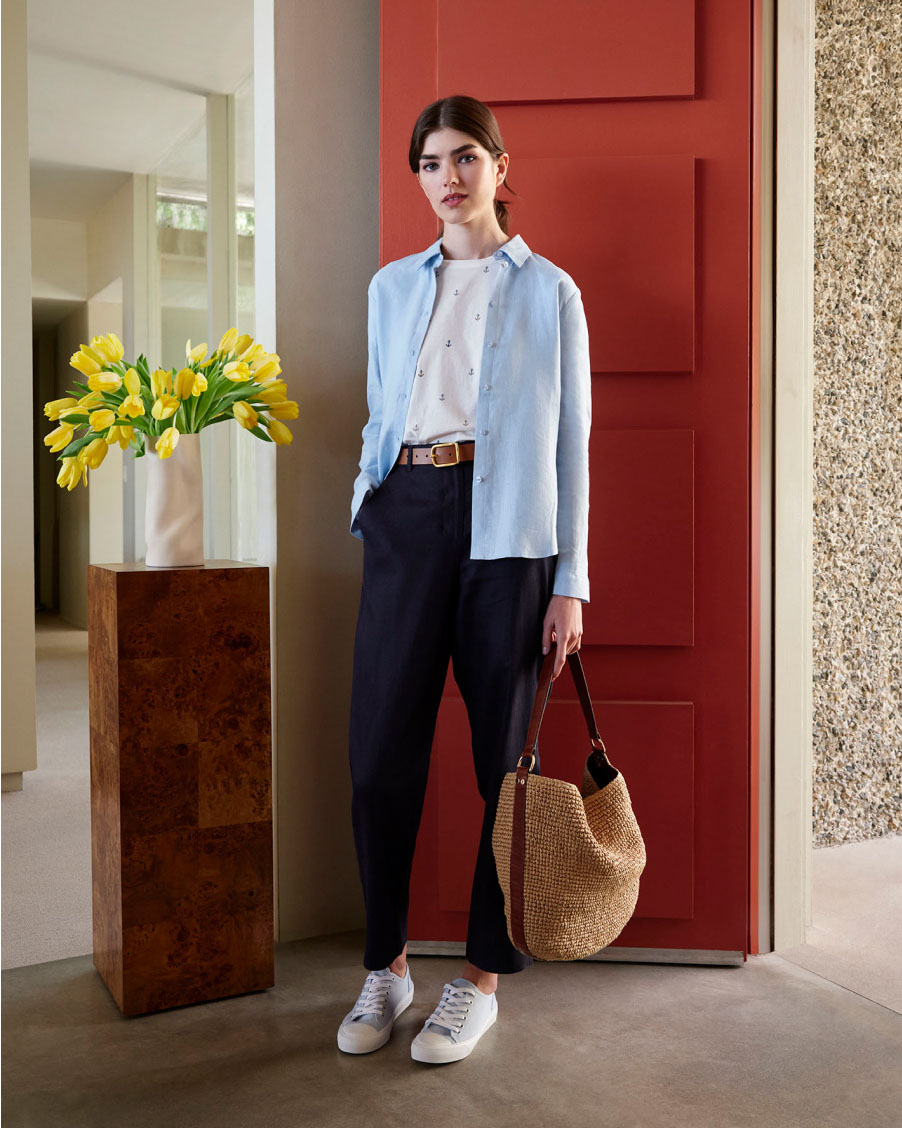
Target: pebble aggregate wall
{"x":858,"y":421}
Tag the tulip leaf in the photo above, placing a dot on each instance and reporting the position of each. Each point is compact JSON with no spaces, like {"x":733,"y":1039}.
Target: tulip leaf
{"x":76,"y":419}
{"x":76,"y":445}
{"x":261,"y":434}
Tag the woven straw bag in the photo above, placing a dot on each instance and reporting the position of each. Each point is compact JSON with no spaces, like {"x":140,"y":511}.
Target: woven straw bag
{"x":568,"y":858}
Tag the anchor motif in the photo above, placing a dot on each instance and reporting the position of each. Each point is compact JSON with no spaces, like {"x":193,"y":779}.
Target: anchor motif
{"x":465,"y":422}
{"x":420,"y":373}
{"x":478,"y":317}
{"x":470,"y":373}
{"x":442,"y":396}
{"x":456,"y":292}
{"x":448,"y":343}
{"x":485,"y":270}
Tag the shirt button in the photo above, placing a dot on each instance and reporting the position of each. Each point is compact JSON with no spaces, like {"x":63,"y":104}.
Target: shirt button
{"x":492,"y":345}
{"x":485,"y":387}
{"x":478,"y":477}
{"x":491,"y":303}
{"x":484,"y":431}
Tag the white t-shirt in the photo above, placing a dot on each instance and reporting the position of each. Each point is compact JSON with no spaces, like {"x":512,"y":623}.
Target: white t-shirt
{"x":443,"y":400}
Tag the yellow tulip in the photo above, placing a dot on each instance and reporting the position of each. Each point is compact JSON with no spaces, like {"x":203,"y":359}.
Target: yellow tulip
{"x":167,"y":442}
{"x":110,"y":347}
{"x":53,"y":408}
{"x":184,"y":383}
{"x":264,"y":358}
{"x":132,"y":406}
{"x":165,"y":406}
{"x":285,"y":409}
{"x":121,"y":434}
{"x":94,"y":354}
{"x":245,"y":414}
{"x":272,"y":392}
{"x":95,"y":452}
{"x":197,"y":353}
{"x":65,"y":466}
{"x":160,"y":382}
{"x":256,"y":352}
{"x":237,"y":371}
{"x":85,"y":364}
{"x":105,"y":382}
{"x":132,"y":382}
{"x":90,"y":400}
{"x":100,"y":420}
{"x":227,"y":344}
{"x":279,"y":433}
{"x":267,"y":371}
{"x":243,"y":344}
{"x":200,"y":384}
{"x":60,"y":438}
{"x":73,"y":471}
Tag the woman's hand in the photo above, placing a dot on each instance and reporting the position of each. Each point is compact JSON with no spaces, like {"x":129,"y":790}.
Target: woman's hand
{"x":563,"y":625}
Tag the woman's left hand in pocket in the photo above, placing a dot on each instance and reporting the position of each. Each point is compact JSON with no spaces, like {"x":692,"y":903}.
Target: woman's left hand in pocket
{"x":563,"y":625}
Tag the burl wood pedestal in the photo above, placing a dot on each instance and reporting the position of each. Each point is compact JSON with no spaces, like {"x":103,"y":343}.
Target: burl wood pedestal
{"x":181,"y":782}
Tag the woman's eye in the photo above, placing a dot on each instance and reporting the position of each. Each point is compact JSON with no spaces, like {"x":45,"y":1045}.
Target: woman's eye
{"x":466,"y":157}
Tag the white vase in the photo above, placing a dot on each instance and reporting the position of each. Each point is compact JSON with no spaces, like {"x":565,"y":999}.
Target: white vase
{"x":174,"y":515}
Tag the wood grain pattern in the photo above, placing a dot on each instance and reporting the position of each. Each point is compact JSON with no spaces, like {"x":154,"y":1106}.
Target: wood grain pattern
{"x":181,"y":782}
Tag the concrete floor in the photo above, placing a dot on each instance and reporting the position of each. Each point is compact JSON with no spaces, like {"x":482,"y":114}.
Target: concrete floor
{"x":613,"y":1044}
{"x":812,"y":1036}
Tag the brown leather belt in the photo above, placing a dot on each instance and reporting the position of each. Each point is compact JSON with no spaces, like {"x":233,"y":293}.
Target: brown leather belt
{"x":439,"y":454}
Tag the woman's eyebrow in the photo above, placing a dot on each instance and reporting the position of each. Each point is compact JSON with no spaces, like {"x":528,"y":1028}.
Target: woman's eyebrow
{"x":434,"y":156}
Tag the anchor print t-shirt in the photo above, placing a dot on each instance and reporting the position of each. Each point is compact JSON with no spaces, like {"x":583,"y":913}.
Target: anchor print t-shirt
{"x":443,"y":399}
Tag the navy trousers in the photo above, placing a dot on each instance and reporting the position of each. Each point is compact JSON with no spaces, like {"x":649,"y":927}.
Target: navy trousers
{"x":423,"y":601}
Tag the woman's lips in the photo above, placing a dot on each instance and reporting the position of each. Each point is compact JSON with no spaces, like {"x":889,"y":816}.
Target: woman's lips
{"x":454,"y":201}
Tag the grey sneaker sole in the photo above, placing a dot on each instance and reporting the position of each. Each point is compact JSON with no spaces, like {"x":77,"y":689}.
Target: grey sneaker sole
{"x":351,"y":1046}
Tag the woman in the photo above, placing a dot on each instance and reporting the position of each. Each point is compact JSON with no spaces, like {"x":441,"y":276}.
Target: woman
{"x":472,"y":503}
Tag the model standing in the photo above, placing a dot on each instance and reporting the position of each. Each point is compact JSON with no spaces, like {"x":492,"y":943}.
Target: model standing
{"x":472,"y":503}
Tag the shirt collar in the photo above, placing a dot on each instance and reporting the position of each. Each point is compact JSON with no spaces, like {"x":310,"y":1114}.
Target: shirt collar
{"x":515,"y":249}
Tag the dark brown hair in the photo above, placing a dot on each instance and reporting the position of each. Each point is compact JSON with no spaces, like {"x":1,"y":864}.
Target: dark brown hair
{"x":470,"y":116}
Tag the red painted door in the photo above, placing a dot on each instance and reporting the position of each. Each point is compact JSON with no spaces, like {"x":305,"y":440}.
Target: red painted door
{"x":629,"y":128}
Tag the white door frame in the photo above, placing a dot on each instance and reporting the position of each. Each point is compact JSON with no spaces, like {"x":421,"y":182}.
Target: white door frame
{"x":793,"y":462}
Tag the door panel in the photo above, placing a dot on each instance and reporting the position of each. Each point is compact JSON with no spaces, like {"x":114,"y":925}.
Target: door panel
{"x":629,"y":129}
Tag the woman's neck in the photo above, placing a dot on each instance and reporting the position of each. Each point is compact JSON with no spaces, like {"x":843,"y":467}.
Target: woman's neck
{"x":461,"y":244}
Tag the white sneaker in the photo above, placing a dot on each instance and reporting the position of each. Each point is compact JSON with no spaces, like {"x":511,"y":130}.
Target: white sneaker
{"x":368,"y":1024}
{"x":457,"y":1023}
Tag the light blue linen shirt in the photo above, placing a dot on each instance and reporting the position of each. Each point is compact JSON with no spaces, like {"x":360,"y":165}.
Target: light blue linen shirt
{"x":534,"y":405}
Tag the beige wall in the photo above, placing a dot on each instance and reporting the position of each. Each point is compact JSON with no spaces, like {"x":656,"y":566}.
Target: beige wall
{"x":59,"y":258}
{"x":18,"y":734}
{"x":327,"y":137}
{"x":858,"y":423}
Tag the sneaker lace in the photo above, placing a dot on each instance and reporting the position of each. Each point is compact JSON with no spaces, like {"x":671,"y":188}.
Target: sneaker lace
{"x":371,"y":999}
{"x":452,"y":1010}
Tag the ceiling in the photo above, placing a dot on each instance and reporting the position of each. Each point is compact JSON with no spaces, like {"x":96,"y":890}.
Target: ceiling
{"x":114,"y":87}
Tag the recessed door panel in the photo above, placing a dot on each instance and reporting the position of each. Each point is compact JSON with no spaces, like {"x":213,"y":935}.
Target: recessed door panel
{"x":533,"y":50}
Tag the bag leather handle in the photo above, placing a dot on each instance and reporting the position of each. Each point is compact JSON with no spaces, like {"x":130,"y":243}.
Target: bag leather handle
{"x":543,"y":693}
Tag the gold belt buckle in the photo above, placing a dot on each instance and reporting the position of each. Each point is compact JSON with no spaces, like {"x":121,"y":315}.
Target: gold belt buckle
{"x":435,"y":447}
